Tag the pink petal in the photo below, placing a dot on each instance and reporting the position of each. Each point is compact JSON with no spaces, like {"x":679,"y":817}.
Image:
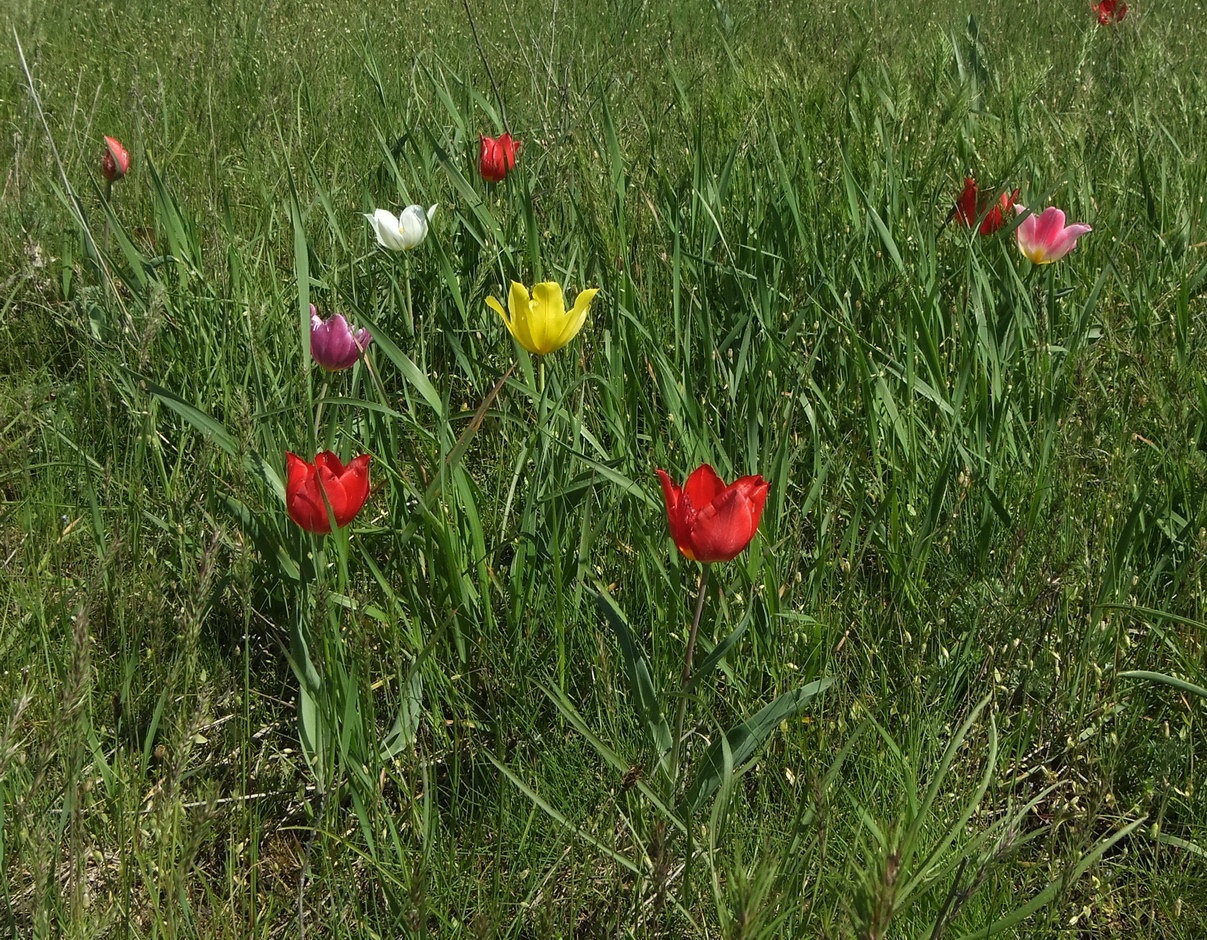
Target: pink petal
{"x":1066,"y":241}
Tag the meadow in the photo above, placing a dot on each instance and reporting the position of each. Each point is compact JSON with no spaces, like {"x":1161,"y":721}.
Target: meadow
{"x":955,"y":686}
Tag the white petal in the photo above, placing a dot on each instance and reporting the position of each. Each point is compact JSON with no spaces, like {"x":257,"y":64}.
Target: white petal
{"x":432,"y":211}
{"x":385,"y":227}
{"x":412,"y":226}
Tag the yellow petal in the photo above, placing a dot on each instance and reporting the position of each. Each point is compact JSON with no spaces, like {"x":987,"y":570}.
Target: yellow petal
{"x":578,"y":315}
{"x":549,"y":316}
{"x":493,"y":303}
{"x":521,"y":316}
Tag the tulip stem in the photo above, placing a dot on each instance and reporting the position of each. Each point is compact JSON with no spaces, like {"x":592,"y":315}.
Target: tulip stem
{"x":410,"y":311}
{"x":108,"y":212}
{"x":677,"y":740}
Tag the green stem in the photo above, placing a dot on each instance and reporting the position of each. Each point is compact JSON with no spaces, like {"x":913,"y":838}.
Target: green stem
{"x":686,"y":677}
{"x":410,"y":311}
{"x":108,"y":221}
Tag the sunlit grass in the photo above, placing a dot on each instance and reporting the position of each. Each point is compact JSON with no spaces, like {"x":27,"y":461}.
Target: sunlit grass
{"x":987,"y":480}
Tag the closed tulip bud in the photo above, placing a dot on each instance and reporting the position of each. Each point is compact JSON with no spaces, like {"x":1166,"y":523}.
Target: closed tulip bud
{"x":116,"y":161}
{"x":334,"y":344}
{"x":496,"y":156}
{"x":403,"y":232}
{"x":312,"y":488}
{"x":1045,"y":238}
{"x":710,"y":521}
{"x":541,"y":323}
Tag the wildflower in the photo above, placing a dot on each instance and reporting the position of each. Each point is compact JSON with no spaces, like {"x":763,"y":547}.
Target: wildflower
{"x":971,"y":206}
{"x":116,"y":161}
{"x":710,"y":521}
{"x":402,"y":232}
{"x":334,"y":344}
{"x":1045,"y":238}
{"x":313,"y":487}
{"x":496,"y":156}
{"x":541,"y":324}
{"x":1109,"y":11}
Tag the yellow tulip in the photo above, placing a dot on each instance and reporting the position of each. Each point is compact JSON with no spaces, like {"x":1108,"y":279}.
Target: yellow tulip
{"x":541,"y":323}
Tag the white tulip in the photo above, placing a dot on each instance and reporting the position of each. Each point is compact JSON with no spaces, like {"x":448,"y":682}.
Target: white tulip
{"x":402,"y":232}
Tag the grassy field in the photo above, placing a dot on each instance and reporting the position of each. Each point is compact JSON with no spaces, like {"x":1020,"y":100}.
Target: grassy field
{"x":988,"y":498}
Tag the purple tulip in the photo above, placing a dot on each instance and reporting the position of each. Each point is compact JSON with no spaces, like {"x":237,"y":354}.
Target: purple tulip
{"x":334,"y":344}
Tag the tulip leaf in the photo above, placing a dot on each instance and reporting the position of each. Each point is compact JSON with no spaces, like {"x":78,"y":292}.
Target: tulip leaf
{"x":641,"y":684}
{"x":718,"y":652}
{"x":741,"y":742}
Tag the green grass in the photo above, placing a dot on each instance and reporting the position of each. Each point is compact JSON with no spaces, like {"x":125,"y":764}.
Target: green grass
{"x":987,"y":482}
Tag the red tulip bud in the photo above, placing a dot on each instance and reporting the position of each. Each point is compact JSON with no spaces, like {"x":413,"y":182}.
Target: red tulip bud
{"x":312,"y":487}
{"x":116,"y":161}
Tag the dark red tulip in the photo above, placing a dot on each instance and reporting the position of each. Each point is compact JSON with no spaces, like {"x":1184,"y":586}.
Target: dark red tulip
{"x":346,"y":488}
{"x":496,"y":157}
{"x":710,"y":521}
{"x":970,"y":206}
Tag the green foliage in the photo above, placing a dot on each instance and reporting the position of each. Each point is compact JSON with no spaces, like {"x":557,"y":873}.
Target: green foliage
{"x":987,"y":481}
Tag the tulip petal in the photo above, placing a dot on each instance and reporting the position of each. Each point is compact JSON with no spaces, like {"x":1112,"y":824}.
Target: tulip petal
{"x":1066,"y":240}
{"x":702,"y":487}
{"x":303,"y":501}
{"x":1050,"y":224}
{"x":675,"y":514}
{"x":966,"y":204}
{"x":754,"y":488}
{"x":723,"y":528}
{"x":520,"y":306}
{"x":577,"y":316}
{"x":548,"y":316}
{"x":355,"y":483}
{"x":386,"y":228}
{"x":412,"y":226}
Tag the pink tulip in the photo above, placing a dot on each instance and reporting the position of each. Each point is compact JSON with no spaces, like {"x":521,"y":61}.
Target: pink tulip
{"x":334,"y":344}
{"x":1045,"y":238}
{"x":116,"y":161}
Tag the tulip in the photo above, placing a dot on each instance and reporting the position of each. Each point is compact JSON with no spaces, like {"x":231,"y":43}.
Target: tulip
{"x":541,"y":324}
{"x":116,"y":161}
{"x":334,"y":344}
{"x":402,"y":232}
{"x":970,"y":206}
{"x":1109,"y":11}
{"x":1045,"y":238}
{"x":710,"y":521}
{"x":496,"y":157}
{"x":312,"y":487}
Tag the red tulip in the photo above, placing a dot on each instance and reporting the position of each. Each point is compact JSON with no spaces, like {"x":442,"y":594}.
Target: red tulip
{"x":116,"y":161}
{"x":710,"y":521}
{"x":496,"y":157}
{"x":1109,"y":11}
{"x":970,"y":206}
{"x":345,"y":487}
